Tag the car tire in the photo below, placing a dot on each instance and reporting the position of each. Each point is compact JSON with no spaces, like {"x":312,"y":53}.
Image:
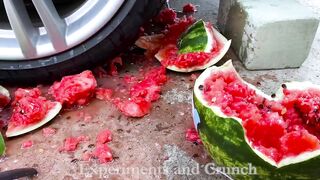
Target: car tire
{"x":109,"y":42}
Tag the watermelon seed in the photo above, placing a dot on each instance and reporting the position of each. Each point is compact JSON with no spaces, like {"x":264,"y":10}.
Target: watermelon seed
{"x":74,"y":160}
{"x":91,"y":146}
{"x":260,"y":106}
{"x":119,"y":130}
{"x":284,"y":86}
{"x":273,"y":95}
{"x":201,"y":87}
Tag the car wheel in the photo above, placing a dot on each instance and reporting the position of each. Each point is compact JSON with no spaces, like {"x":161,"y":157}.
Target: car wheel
{"x":41,"y":41}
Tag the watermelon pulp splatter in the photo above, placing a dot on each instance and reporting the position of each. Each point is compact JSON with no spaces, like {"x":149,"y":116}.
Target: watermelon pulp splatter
{"x":166,"y":16}
{"x":277,"y":128}
{"x":71,"y":143}
{"x":75,"y":89}
{"x":189,"y":8}
{"x":142,"y":93}
{"x":103,"y":153}
{"x":104,"y":94}
{"x":48,"y":132}
{"x":102,"y":150}
{"x":104,"y":136}
{"x":193,"y":136}
{"x":27,"y":144}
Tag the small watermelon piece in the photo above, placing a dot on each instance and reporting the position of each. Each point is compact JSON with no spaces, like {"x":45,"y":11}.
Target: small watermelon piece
{"x":189,"y":8}
{"x":198,"y":48}
{"x":240,"y":125}
{"x":30,"y":111}
{"x":74,"y":89}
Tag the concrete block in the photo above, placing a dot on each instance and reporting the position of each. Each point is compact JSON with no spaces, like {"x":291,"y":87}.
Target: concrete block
{"x":268,"y":34}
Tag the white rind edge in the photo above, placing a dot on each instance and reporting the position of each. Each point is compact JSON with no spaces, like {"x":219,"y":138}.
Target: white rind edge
{"x":217,"y":110}
{"x":220,"y":38}
{"x":49,"y":116}
{"x":210,"y":39}
{"x":4,"y":91}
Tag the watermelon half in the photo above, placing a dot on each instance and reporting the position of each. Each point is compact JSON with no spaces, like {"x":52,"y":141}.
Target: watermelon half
{"x":241,"y":126}
{"x":198,"y":48}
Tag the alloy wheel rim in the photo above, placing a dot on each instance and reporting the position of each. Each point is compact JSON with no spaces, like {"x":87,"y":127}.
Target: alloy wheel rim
{"x":25,"y":41}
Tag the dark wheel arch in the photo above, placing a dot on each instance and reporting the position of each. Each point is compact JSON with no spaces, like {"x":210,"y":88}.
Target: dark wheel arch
{"x":116,"y":36}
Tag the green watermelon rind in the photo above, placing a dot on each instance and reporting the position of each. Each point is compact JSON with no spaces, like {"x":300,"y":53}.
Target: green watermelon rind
{"x":195,"y":39}
{"x":224,"y":139}
{"x":2,"y":145}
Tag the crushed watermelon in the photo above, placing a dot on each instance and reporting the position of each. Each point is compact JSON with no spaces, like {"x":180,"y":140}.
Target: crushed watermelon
{"x":102,"y":152}
{"x":137,"y":107}
{"x":48,"y":132}
{"x":279,"y":129}
{"x":71,"y":143}
{"x":189,"y":8}
{"x":86,"y":117}
{"x":128,"y":79}
{"x":150,"y":87}
{"x":104,"y":136}
{"x":193,"y":136}
{"x":174,"y":31}
{"x":75,"y":89}
{"x":171,"y":34}
{"x":142,"y":93}
{"x":104,"y":94}
{"x":27,"y":144}
{"x":29,"y":107}
{"x":166,"y":16}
